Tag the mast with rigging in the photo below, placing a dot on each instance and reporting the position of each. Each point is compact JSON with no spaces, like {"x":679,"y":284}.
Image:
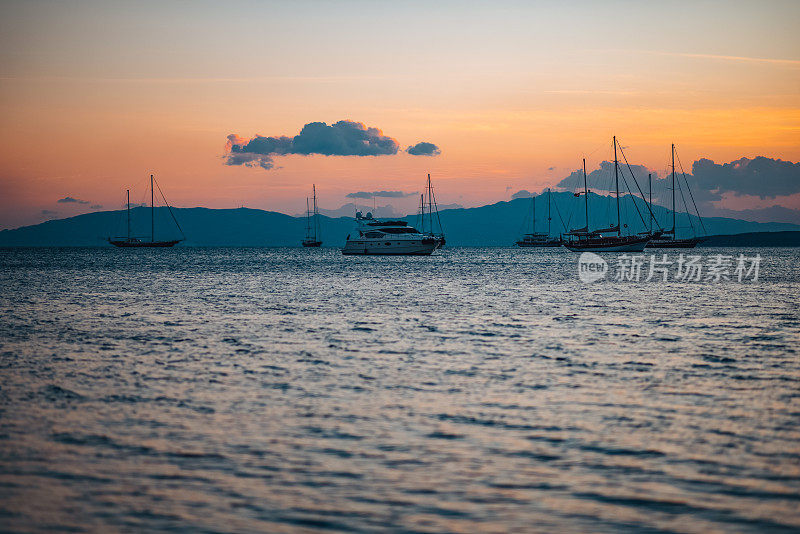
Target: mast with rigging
{"x":313,"y":233}
{"x":129,"y":241}
{"x":152,"y":212}
{"x":616,"y":185}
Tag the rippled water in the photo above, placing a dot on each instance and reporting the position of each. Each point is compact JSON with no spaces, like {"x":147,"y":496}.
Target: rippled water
{"x":475,"y":390}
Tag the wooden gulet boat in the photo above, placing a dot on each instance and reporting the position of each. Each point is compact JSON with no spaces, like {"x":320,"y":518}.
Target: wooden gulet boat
{"x":313,"y":233}
{"x":585,"y":240}
{"x":129,"y":241}
{"x":672,"y":241}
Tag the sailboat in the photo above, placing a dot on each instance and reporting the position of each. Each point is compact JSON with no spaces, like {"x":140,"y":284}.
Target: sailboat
{"x":539,"y":239}
{"x":129,"y":241}
{"x":313,"y":234}
{"x":433,"y":209}
{"x":672,"y":241}
{"x":585,"y":240}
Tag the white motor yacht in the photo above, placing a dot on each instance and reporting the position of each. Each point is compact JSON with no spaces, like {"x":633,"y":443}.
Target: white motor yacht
{"x":387,"y":237}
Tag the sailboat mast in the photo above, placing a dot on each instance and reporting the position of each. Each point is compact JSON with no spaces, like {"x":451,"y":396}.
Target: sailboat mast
{"x":616,"y":185}
{"x":650,"y":195}
{"x":586,"y":195}
{"x":673,"y":191}
{"x":128,"y":192}
{"x":152,"y":212}
{"x":308,"y":220}
{"x":430,"y":204}
{"x":316,"y":222}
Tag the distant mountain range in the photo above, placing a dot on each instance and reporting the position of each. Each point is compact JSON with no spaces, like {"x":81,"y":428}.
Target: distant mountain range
{"x":497,"y":224}
{"x":754,"y":239}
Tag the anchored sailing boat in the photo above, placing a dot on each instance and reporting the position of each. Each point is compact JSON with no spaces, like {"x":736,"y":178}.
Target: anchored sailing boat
{"x":313,"y":234}
{"x":672,"y":241}
{"x":539,"y":239}
{"x":585,"y":240}
{"x":130,"y":241}
{"x":433,"y":208}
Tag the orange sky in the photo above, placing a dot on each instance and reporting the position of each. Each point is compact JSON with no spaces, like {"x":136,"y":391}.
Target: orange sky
{"x":95,"y":96}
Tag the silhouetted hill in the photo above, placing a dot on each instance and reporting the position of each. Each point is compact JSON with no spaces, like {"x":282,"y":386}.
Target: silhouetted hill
{"x":497,"y":224}
{"x":754,"y":239}
{"x":202,"y":226}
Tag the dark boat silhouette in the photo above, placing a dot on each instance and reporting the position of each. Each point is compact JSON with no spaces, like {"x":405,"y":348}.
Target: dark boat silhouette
{"x":585,"y":240}
{"x":432,"y":208}
{"x":313,"y":233}
{"x":669,"y":240}
{"x":130,"y":241}
{"x":539,"y":239}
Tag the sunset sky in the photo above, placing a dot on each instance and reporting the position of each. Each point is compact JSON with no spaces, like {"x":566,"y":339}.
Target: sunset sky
{"x":94,"y":96}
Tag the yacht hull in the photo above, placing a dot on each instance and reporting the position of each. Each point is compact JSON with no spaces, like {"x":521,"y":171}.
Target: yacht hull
{"x":674,"y":243}
{"x":609,"y":245}
{"x":144,"y":244}
{"x":393,"y":248}
{"x":546,"y":244}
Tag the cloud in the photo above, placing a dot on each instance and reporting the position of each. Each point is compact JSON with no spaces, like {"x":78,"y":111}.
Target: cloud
{"x":344,"y":138}
{"x":383,"y":194}
{"x":71,"y":200}
{"x":603,"y":178}
{"x":49,"y":212}
{"x":522,"y":193}
{"x":424,"y":149}
{"x":762,"y":177}
{"x":96,"y":206}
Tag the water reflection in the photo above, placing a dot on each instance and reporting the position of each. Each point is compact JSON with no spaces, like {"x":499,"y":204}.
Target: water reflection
{"x":272,"y":389}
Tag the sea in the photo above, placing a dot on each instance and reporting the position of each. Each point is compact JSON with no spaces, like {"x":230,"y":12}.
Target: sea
{"x":474,"y":390}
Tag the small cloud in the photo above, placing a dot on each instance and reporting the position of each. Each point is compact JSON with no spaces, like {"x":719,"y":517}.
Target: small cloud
{"x":424,"y":149}
{"x":523,"y":193}
{"x":71,"y":200}
{"x":551,"y":168}
{"x":49,"y":212}
{"x":382,"y":194}
{"x":96,"y":206}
